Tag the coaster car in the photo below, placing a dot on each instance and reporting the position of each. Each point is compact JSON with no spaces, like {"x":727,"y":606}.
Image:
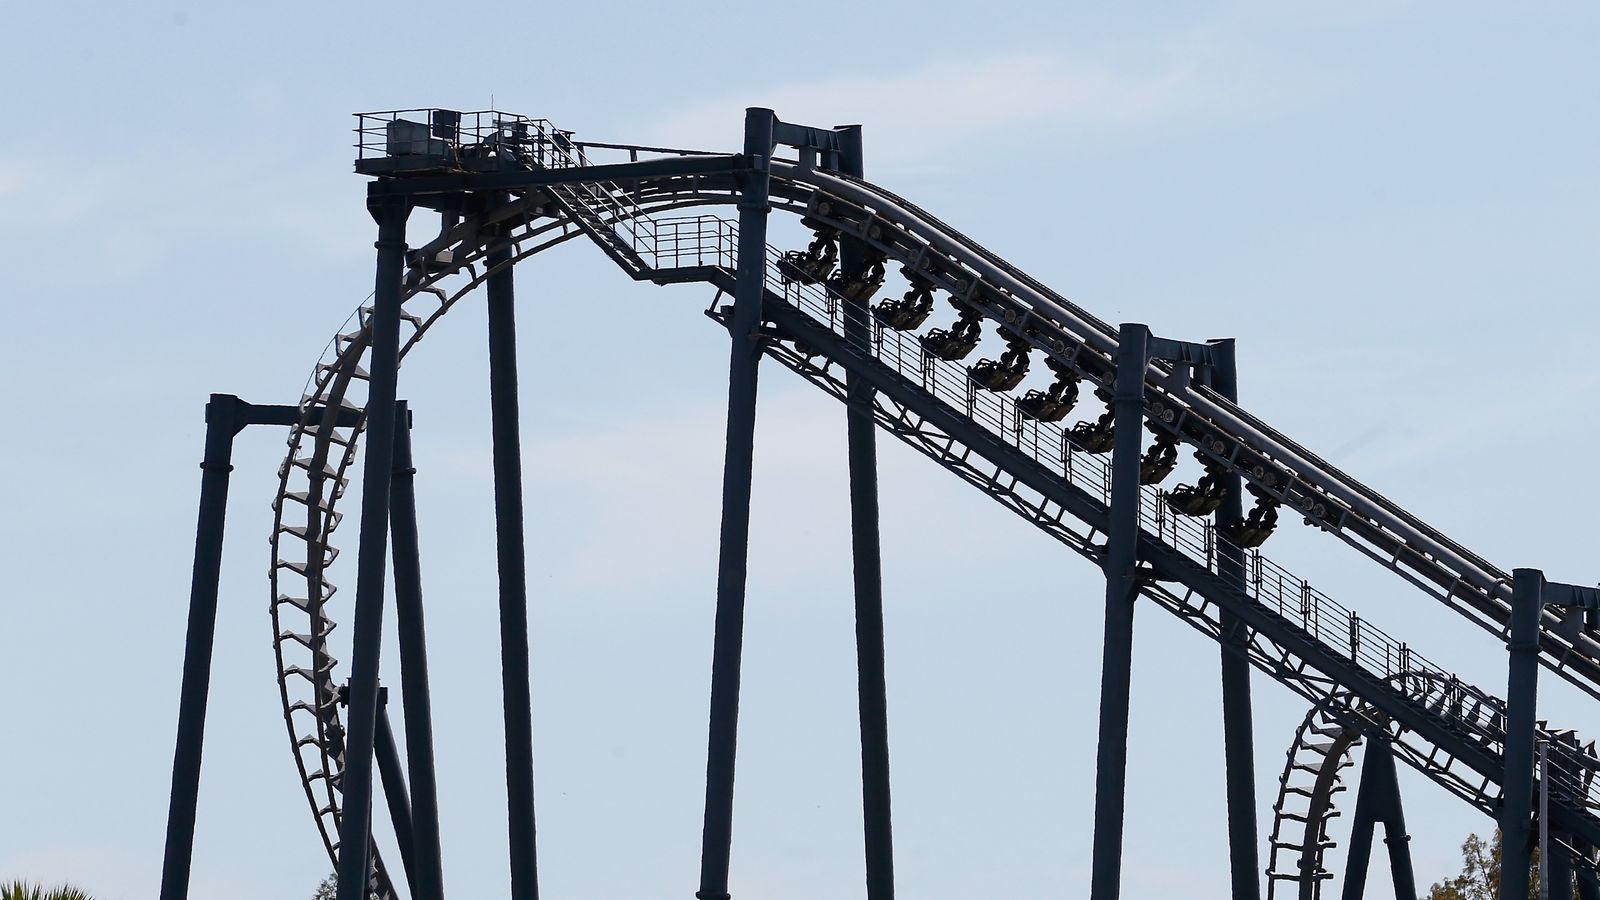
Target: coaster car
{"x":909,"y":311}
{"x":1203,"y":497}
{"x":1097,"y":436}
{"x":1158,"y":461}
{"x":955,"y":342}
{"x":1005,"y":373}
{"x":812,"y":265}
{"x":1259,"y":524}
{"x":864,"y":283}
{"x":1053,"y":403}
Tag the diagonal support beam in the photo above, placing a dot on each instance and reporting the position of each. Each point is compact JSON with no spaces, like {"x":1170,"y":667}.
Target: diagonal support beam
{"x":511,"y":556}
{"x":1237,"y":730}
{"x":738,"y":464}
{"x":355,"y":824}
{"x":865,"y":538}
{"x":226,"y":416}
{"x":427,"y":878}
{"x":1378,"y":800}
{"x":1122,"y":588}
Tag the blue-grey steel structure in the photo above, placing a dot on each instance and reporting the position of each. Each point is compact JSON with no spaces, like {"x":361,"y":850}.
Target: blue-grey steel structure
{"x":506,"y":187}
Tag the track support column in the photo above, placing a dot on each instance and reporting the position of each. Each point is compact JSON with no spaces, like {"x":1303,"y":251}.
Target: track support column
{"x":728,"y":642}
{"x":1588,"y":884}
{"x":1237,"y":729}
{"x":871,"y":680}
{"x":515,"y":668}
{"x":1522,"y":695}
{"x":1122,"y":587}
{"x":391,"y":773}
{"x":1378,"y":800}
{"x":222,"y":423}
{"x":426,"y":869}
{"x":355,"y":824}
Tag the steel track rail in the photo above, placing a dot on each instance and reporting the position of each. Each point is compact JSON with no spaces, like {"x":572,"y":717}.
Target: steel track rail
{"x":314,"y":475}
{"x":320,"y":455}
{"x":1326,"y":496}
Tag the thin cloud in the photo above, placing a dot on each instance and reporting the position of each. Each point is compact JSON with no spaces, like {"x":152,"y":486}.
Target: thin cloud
{"x":915,"y":112}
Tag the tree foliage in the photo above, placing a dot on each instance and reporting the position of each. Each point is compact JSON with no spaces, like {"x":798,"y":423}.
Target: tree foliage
{"x":21,"y":890}
{"x":1480,"y":873}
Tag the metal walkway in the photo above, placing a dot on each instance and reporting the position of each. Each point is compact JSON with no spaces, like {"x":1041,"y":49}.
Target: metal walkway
{"x":510,"y":187}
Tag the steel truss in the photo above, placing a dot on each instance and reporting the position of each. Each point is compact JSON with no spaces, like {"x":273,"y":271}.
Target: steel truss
{"x":507,"y":188}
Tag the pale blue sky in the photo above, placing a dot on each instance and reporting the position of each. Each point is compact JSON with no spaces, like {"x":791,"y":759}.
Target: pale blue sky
{"x":1393,"y":207}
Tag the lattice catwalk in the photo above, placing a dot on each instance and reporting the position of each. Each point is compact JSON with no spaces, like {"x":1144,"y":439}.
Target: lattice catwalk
{"x":506,"y":187}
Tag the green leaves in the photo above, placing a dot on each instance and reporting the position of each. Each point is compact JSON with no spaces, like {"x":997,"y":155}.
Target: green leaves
{"x":18,"y":890}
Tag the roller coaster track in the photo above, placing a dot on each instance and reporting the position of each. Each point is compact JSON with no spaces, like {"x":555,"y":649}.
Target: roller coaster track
{"x":1352,"y":672}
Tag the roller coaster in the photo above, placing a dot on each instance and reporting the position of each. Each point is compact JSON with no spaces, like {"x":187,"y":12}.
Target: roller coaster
{"x":507,"y":187}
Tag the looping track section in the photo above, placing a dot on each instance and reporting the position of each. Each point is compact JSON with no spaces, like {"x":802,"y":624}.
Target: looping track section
{"x":663,"y":223}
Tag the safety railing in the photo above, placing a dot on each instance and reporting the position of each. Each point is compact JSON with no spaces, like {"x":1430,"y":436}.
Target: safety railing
{"x":608,"y":208}
{"x":679,"y":242}
{"x":712,"y":240}
{"x":459,"y":137}
{"x":1293,"y":599}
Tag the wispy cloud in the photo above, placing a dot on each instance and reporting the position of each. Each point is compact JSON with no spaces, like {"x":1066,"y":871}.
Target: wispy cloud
{"x":928,"y":111}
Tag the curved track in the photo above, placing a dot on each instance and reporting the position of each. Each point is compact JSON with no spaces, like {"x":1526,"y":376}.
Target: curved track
{"x":1446,"y":729}
{"x":1308,"y":791}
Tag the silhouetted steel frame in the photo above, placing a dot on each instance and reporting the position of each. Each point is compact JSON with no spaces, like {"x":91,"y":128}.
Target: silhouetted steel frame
{"x":1378,"y":800}
{"x":1531,"y":593}
{"x":1157,"y":563}
{"x":1136,"y":347}
{"x":511,"y":556}
{"x":1238,"y":730}
{"x":866,"y":550}
{"x":426,"y":867}
{"x":226,"y":416}
{"x":840,"y":149}
{"x":1164,"y":563}
{"x":392,"y":773}
{"x":355,"y":827}
{"x":734,"y":545}
{"x":1581,"y":668}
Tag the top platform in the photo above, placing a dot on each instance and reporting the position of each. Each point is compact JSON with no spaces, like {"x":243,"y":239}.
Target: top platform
{"x":432,"y":141}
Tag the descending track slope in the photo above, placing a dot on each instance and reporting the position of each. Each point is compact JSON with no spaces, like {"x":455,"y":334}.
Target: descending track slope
{"x":1447,"y":729}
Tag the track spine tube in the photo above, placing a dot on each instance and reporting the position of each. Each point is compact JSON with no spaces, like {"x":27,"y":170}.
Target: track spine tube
{"x":1237,"y":727}
{"x":1522,"y":697}
{"x":427,"y":881}
{"x":223,"y":422}
{"x":733,"y":562}
{"x":355,"y":823}
{"x":510,"y":543}
{"x":1122,"y":588}
{"x":866,"y":547}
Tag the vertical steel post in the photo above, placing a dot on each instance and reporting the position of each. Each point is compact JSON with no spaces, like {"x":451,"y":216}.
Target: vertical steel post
{"x":1544,"y":821}
{"x":392,"y":774}
{"x":1522,"y":694}
{"x":871,"y":680}
{"x":1557,"y":876}
{"x":427,"y":875}
{"x":1588,"y":883}
{"x":1122,"y":587}
{"x":515,"y":670}
{"x":722,"y":732}
{"x":1378,"y":800}
{"x":1237,"y":729}
{"x":1556,"y":879}
{"x":222,"y":423}
{"x":355,"y":824}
